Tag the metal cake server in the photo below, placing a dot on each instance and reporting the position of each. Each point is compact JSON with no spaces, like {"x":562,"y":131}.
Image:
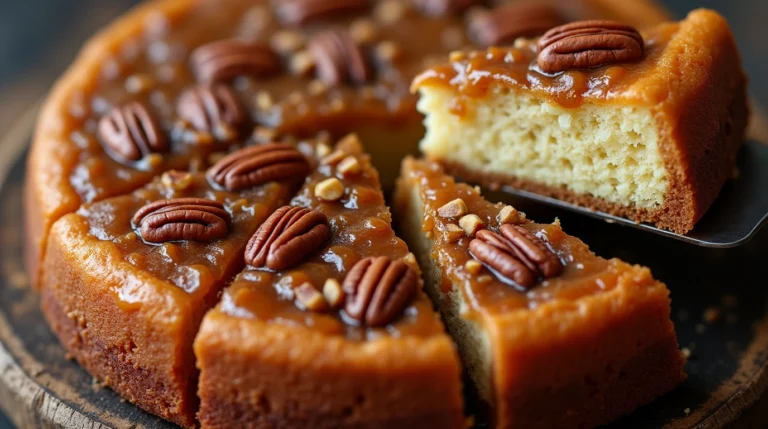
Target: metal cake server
{"x":737,"y":214}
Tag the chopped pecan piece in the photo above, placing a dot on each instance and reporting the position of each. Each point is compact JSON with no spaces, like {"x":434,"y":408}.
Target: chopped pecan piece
{"x":297,"y":12}
{"x":130,"y":132}
{"x":287,"y":237}
{"x":378,"y":289}
{"x":208,"y":107}
{"x":256,"y":165}
{"x":444,"y":7}
{"x":588,"y":44}
{"x":516,"y":254}
{"x":227,"y":59}
{"x":194,"y":219}
{"x":338,"y":58}
{"x":506,"y":23}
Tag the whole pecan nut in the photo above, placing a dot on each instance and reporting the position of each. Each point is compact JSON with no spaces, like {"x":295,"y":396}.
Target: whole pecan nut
{"x":256,"y":165}
{"x":194,"y":219}
{"x":516,"y":254}
{"x":227,"y":59}
{"x":207,"y":107}
{"x":130,"y":132}
{"x":506,"y":23}
{"x":287,"y":237}
{"x":296,"y":12}
{"x":378,"y":289}
{"x":444,"y":7}
{"x":588,"y":44}
{"x":338,"y":58}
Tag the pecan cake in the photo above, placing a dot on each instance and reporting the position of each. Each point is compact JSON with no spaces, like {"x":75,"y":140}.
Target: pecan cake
{"x":328,"y":326}
{"x":287,"y":67}
{"x":644,"y":125}
{"x":551,"y":335}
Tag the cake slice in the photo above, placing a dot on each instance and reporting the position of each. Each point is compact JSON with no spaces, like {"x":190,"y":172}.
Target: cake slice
{"x":127,"y":280}
{"x":328,"y":326}
{"x":641,"y":125}
{"x":551,"y":335}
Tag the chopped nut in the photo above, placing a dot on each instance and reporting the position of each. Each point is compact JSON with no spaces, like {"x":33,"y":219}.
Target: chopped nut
{"x":454,"y":208}
{"x":286,"y":41}
{"x":154,"y":160}
{"x":262,"y":134}
{"x":302,"y":63}
{"x":264,"y":100}
{"x":310,"y":298}
{"x":389,"y":11}
{"x":317,"y":87}
{"x":333,"y":293}
{"x":224,"y":132}
{"x":322,"y":150}
{"x":524,"y":43}
{"x":349,"y":166}
{"x":473,"y":266}
{"x":410,"y":259}
{"x":363,"y":31}
{"x":452,"y":233}
{"x":388,"y":51}
{"x":333,"y":158}
{"x":471,"y":223}
{"x":485,"y":278}
{"x":329,"y":189}
{"x":177,"y":180}
{"x":457,"y":56}
{"x":139,"y":83}
{"x":508,"y":215}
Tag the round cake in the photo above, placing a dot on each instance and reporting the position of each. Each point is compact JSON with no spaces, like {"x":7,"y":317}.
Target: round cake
{"x":203,"y":158}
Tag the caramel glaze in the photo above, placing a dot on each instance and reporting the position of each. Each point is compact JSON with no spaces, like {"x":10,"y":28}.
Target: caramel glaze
{"x":153,"y":68}
{"x":360,"y":225}
{"x":471,"y":74}
{"x":585,"y":274}
{"x":194,"y":267}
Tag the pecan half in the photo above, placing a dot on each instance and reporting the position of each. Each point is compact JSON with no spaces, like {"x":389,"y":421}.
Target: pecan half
{"x":130,"y":132}
{"x":194,"y":219}
{"x":444,"y":7}
{"x":296,"y":12}
{"x":506,"y":23}
{"x":256,"y":165}
{"x":516,"y":254}
{"x":207,"y":107}
{"x":338,"y":58}
{"x":227,"y":59}
{"x":378,"y":289}
{"x":587,"y":44}
{"x":287,"y":237}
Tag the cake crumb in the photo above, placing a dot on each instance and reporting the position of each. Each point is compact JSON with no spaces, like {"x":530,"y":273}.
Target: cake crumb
{"x":473,"y":266}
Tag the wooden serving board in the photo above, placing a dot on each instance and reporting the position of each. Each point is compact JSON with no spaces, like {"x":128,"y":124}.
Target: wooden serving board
{"x":719,"y":309}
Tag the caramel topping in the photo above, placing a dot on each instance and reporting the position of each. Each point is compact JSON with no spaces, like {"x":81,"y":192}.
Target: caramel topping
{"x":130,"y":132}
{"x":338,"y":58}
{"x":588,"y":44}
{"x":256,"y":165}
{"x":194,"y":219}
{"x":227,"y":59}
{"x":293,"y":12}
{"x":378,"y":289}
{"x":506,"y":23}
{"x":210,"y":107}
{"x":287,"y":237}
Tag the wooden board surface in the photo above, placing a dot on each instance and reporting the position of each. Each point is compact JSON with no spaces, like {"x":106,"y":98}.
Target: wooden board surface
{"x":719,"y":309}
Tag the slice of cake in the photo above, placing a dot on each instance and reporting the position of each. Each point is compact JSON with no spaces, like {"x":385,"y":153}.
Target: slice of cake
{"x":127,"y":280}
{"x":552,"y":335}
{"x":328,"y":326}
{"x":641,"y":125}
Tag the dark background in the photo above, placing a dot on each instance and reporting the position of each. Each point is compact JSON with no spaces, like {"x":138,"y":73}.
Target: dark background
{"x":38,"y":38}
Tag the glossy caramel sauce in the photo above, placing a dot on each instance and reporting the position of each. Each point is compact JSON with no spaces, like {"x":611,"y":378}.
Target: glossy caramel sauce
{"x":153,"y":67}
{"x":195,"y":267}
{"x":360,"y":225}
{"x":472,"y":74}
{"x":484,"y":292}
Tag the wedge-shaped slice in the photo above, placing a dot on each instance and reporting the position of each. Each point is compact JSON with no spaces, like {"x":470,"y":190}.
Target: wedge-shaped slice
{"x":586,"y":341}
{"x":284,"y":350}
{"x":126,"y":296}
{"x":653,"y":137}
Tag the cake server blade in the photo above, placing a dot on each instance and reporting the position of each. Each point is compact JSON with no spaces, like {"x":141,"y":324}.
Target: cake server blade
{"x":737,"y":214}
